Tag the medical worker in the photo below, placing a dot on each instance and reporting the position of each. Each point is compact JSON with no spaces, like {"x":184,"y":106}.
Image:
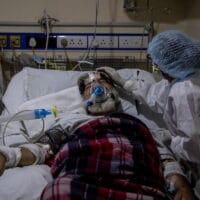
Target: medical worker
{"x":178,"y":57}
{"x":178,"y":95}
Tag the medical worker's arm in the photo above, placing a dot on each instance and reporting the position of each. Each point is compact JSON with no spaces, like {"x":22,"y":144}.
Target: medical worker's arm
{"x":153,"y":95}
{"x":172,"y":170}
{"x":182,"y":188}
{"x":117,"y":80}
{"x":182,"y":116}
{"x":177,"y":182}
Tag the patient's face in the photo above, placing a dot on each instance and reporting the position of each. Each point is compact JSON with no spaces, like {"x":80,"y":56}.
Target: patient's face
{"x":99,"y":80}
{"x":111,"y":100}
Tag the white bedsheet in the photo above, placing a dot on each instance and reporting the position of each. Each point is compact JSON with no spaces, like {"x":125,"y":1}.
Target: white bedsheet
{"x":24,"y":183}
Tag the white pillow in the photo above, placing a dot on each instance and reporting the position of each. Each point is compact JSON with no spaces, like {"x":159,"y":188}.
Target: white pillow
{"x":15,"y":92}
{"x":24,"y":182}
{"x":137,"y":74}
{"x":31,"y":83}
{"x":40,"y":82}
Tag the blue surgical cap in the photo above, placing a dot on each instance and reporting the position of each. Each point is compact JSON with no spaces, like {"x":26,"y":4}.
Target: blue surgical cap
{"x":175,"y":53}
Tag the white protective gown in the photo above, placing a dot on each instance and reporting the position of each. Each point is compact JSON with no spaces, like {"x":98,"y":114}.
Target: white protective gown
{"x":180,"y":105}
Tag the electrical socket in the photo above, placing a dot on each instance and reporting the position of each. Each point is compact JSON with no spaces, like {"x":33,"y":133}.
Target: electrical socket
{"x":72,"y":41}
{"x":133,"y":41}
{"x":103,"y":41}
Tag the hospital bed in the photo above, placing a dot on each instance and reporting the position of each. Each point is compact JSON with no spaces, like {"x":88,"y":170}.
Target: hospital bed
{"x":42,"y":88}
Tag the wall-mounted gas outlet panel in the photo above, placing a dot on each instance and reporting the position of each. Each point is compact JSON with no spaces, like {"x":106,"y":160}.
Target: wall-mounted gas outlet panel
{"x":75,"y":41}
{"x":72,"y":41}
{"x":103,"y":41}
{"x":133,"y":42}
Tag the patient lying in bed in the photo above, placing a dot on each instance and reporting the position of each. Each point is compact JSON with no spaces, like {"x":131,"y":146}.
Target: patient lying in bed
{"x":111,"y":155}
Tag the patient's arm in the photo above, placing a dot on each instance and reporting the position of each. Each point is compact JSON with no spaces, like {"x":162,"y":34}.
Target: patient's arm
{"x":27,"y":158}
{"x":25,"y":155}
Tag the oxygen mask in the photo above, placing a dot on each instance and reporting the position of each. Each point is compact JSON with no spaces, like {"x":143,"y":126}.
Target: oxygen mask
{"x":98,"y":92}
{"x":100,"y":97}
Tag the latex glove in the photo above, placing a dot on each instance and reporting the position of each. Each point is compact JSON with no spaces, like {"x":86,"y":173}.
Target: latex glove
{"x":182,"y":187}
{"x":116,"y":78}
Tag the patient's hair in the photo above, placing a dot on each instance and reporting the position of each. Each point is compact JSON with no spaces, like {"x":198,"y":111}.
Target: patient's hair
{"x":81,"y":82}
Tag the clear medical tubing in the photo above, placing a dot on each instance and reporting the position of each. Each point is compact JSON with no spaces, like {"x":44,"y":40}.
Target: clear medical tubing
{"x":98,"y":95}
{"x":26,"y":115}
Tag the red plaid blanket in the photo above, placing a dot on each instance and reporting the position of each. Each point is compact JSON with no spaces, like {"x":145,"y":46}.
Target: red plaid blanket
{"x":112,"y":157}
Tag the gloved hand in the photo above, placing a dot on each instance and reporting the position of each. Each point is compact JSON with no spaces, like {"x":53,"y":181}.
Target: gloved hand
{"x":181,"y":186}
{"x":116,"y":78}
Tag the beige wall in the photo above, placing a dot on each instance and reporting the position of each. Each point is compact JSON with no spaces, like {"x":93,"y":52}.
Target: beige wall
{"x":170,"y":14}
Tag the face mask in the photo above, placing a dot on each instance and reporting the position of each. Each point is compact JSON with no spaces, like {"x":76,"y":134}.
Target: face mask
{"x":101,"y":99}
{"x":111,"y":104}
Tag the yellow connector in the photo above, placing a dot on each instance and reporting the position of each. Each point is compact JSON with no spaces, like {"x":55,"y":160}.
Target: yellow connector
{"x":54,"y":111}
{"x":15,"y":41}
{"x":3,"y":41}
